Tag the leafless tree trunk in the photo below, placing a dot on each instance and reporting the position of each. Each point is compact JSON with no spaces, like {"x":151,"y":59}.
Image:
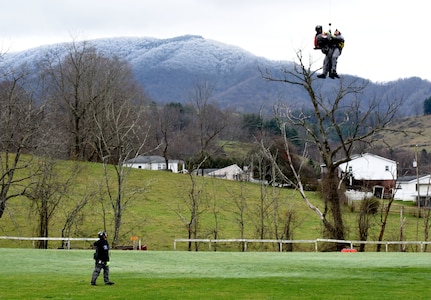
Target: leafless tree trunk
{"x":263,"y":205}
{"x":195,"y":208}
{"x":384,"y":213}
{"x":240,"y":200}
{"x":46,"y":193}
{"x":195,"y":198}
{"x":341,"y":124}
{"x":368,"y":208}
{"x":19,"y":122}
{"x":215,"y":209}
{"x":427,"y":216}
{"x":75,"y":216}
{"x":290,"y":218}
{"x":117,"y":135}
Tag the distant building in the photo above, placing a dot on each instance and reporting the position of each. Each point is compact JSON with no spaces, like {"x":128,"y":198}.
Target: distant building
{"x":232,"y":172}
{"x":407,"y":188}
{"x":154,"y":162}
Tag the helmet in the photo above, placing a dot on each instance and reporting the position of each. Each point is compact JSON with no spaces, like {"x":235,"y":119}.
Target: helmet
{"x":101,"y":234}
{"x":319,"y":29}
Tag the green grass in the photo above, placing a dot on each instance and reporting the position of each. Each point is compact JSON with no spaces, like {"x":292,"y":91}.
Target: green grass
{"x":63,"y":274}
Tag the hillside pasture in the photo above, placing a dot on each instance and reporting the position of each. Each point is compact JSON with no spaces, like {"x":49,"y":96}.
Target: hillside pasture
{"x":158,"y":213}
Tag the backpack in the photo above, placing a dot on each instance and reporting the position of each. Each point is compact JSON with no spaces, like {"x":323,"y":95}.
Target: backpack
{"x":320,"y":41}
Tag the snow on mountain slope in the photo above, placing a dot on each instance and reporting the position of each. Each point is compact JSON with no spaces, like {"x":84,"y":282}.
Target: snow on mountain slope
{"x":169,"y":70}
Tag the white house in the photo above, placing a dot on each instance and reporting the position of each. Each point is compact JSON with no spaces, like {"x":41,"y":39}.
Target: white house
{"x":154,"y":162}
{"x":407,"y":188}
{"x":371,"y":174}
{"x":370,"y":167}
{"x":232,"y":172}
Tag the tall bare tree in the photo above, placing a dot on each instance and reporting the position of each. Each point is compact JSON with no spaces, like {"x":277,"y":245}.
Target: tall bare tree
{"x":239,"y":209}
{"x":196,"y":205}
{"x":120,"y":134}
{"x":209,"y":121}
{"x":77,"y":82}
{"x":20,"y":118}
{"x":170,"y":132}
{"x":341,"y":124}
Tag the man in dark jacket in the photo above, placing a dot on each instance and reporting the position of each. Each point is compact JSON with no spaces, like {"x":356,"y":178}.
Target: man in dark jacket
{"x":101,"y":258}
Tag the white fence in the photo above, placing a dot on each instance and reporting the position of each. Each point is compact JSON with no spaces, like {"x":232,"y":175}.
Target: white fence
{"x":66,"y":241}
{"x":349,"y":243}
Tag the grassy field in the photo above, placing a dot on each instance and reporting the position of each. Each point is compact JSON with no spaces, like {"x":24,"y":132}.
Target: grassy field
{"x":65,"y":274}
{"x":159,"y":212}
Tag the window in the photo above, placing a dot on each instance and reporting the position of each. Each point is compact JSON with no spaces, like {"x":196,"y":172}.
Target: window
{"x":386,"y":168}
{"x":350,"y":168}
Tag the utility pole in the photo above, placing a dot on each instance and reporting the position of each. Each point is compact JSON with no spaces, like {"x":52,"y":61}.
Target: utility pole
{"x":416,"y":165}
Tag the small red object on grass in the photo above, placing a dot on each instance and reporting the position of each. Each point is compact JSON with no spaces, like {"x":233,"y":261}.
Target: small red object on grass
{"x":349,"y":250}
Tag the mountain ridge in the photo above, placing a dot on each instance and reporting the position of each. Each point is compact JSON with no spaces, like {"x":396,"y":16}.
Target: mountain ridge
{"x":169,"y":69}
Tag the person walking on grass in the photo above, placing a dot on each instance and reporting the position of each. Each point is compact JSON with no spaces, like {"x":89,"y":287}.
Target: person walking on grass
{"x":101,"y":257}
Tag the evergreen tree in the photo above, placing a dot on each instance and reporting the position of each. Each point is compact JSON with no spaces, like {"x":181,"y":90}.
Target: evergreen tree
{"x":427,"y":106}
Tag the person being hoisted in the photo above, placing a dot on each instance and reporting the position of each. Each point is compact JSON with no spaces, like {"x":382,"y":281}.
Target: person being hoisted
{"x":331,"y":46}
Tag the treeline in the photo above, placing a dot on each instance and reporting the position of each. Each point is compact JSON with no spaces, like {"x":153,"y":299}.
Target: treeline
{"x":77,"y":104}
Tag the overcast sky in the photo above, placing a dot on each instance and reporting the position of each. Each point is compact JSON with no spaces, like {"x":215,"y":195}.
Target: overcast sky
{"x":385,"y":39}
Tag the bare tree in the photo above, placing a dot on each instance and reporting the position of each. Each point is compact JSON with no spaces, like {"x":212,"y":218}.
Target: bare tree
{"x":209,"y":121}
{"x":368,"y":208}
{"x":74,"y":217}
{"x":196,"y":206}
{"x":262,"y":218}
{"x":120,"y":135}
{"x":46,"y":193}
{"x":341,"y":124}
{"x":289,"y":226}
{"x":19,"y":122}
{"x":215,"y":207}
{"x":240,"y":209}
{"x":76,"y":86}
{"x":170,"y":128}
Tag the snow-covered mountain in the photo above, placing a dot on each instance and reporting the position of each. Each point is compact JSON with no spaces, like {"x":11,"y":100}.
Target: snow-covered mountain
{"x":169,"y":70}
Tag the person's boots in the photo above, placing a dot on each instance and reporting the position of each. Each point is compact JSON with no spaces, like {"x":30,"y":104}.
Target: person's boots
{"x":333,"y":74}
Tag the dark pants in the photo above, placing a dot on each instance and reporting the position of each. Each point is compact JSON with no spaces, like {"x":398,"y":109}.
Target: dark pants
{"x":98,"y":267}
